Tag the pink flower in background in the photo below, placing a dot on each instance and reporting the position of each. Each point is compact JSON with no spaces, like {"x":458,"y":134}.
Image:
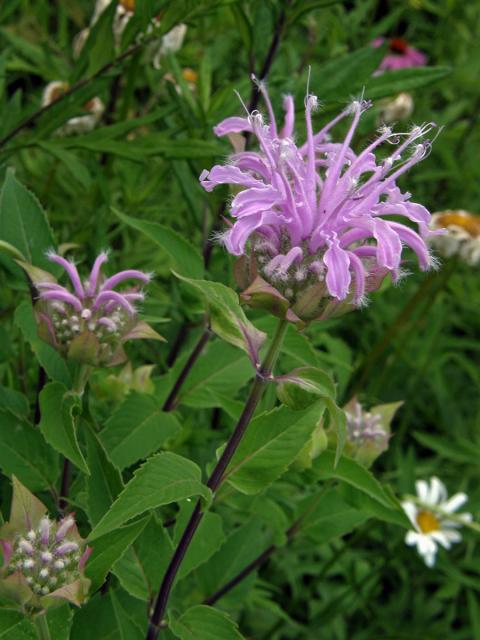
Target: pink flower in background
{"x":400,"y":55}
{"x":318,"y":213}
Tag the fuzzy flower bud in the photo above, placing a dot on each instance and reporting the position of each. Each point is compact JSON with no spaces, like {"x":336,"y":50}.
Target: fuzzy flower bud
{"x":48,"y":569}
{"x":90,"y":322}
{"x":312,"y":223}
{"x":368,"y":432}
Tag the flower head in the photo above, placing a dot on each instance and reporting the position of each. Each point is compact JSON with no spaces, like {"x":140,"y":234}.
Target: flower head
{"x":400,"y":55}
{"x":461,"y":237}
{"x":312,"y":221}
{"x":431,"y":515}
{"x":43,"y":559}
{"x":89,"y":321}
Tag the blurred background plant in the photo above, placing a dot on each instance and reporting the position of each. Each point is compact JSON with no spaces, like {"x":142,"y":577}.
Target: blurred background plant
{"x":128,"y":179}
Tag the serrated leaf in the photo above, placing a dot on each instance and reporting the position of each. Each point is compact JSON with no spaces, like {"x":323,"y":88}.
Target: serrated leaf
{"x":163,"y":479}
{"x":58,"y":424}
{"x":49,"y":359}
{"x":138,"y":428}
{"x":205,"y":623}
{"x":227,"y":318}
{"x":24,"y":453}
{"x":23,"y":223}
{"x":272,"y":442}
{"x":109,"y":549}
{"x":184,"y":256}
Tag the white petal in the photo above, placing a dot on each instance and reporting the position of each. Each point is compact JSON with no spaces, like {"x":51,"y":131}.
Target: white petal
{"x":441,"y":538}
{"x":430,"y":559}
{"x":452,"y":536}
{"x":438,"y":492}
{"x":411,"y":511}
{"x":426,"y":544}
{"x":455,"y":502}
{"x":422,"y":490}
{"x":411,"y":538}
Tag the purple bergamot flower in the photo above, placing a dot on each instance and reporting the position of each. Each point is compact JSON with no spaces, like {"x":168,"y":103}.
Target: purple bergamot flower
{"x":312,"y":221}
{"x":43,"y":559}
{"x":91,"y":322}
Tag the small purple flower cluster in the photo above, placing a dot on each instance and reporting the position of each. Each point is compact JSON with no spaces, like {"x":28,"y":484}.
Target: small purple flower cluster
{"x":319,"y":212}
{"x":364,"y":426}
{"x":48,"y":557}
{"x":92,"y":313}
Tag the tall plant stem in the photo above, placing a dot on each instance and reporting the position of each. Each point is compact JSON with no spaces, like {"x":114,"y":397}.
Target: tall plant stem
{"x":42,"y":627}
{"x":215,"y":479}
{"x":170,"y":402}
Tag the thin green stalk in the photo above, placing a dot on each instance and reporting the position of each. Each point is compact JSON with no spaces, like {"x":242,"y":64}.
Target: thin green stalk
{"x":215,"y":480}
{"x":42,"y":627}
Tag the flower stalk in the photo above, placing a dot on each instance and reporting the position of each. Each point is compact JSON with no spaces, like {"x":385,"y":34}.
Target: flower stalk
{"x":215,"y":479}
{"x":41,"y":625}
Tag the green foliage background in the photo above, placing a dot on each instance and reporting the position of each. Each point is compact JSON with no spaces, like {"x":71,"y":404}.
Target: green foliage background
{"x":132,"y":185}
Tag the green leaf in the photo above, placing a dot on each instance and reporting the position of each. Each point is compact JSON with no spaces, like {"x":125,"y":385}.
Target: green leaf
{"x":138,"y":428}
{"x":342,"y":77}
{"x":109,"y":549}
{"x":25,"y":454}
{"x":241,"y":548}
{"x":49,"y":359}
{"x":15,"y":626}
{"x":59,"y":621}
{"x":14,"y":402}
{"x":23,"y":222}
{"x":227,"y":318}
{"x":205,"y":623}
{"x":207,"y":540}
{"x":272,"y":442}
{"x":354,"y":474}
{"x":393,"y":82}
{"x":142,"y":567}
{"x":302,"y":387}
{"x":70,"y":161}
{"x":221,"y":370}
{"x":58,"y":408}
{"x":104,"y":482}
{"x":163,"y":479}
{"x":459,"y":450}
{"x":330,"y":517}
{"x":184,"y":257}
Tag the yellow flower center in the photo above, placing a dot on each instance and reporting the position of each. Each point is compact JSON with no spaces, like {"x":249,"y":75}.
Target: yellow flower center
{"x":190,"y":75}
{"x":128,"y":5}
{"x":427,"y":521}
{"x":467,"y":221}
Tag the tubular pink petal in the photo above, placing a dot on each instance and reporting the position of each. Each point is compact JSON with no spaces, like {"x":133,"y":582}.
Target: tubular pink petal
{"x":95,"y":272}
{"x":232,"y":125}
{"x":62,"y":296}
{"x":72,"y":273}
{"x":129,"y":274}
{"x":338,"y":277}
{"x":107,"y":322}
{"x":112,"y":296}
{"x":289,"y":123}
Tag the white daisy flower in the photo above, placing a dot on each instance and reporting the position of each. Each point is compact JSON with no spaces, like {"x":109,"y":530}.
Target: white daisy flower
{"x":461,"y":237}
{"x":429,"y":515}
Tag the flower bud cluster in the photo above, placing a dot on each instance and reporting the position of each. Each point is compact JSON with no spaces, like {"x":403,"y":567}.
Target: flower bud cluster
{"x":46,"y":556}
{"x":90,"y":322}
{"x":365,"y":426}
